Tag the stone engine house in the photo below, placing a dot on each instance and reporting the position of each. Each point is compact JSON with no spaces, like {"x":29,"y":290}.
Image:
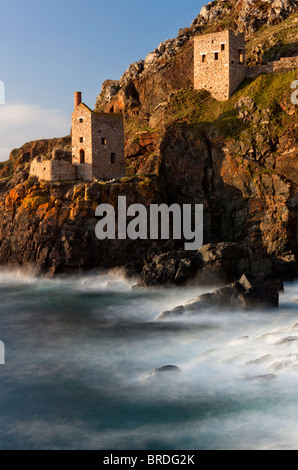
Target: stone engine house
{"x":219,"y":63}
{"x":97,"y":148}
{"x":97,"y":143}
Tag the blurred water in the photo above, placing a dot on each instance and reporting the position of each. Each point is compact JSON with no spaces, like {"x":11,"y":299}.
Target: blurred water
{"x":78,"y":350}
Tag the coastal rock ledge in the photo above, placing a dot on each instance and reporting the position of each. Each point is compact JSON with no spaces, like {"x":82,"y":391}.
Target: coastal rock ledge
{"x":245,"y":293}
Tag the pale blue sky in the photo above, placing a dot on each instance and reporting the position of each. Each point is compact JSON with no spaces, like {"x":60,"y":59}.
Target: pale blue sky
{"x":49,"y":49}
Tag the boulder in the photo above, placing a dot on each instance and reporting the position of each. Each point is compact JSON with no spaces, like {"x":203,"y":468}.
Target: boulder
{"x":174,"y":267}
{"x":246,"y":293}
{"x":220,"y":263}
{"x":250,"y":292}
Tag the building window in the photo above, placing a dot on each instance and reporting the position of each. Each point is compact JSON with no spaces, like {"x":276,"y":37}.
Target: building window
{"x":81,"y":140}
{"x":104,"y":141}
{"x":203,"y":57}
{"x":81,"y":120}
{"x":113,"y":158}
{"x":82,"y":157}
{"x":99,"y":130}
{"x":215,"y":55}
{"x":241,"y":56}
{"x":222,"y":47}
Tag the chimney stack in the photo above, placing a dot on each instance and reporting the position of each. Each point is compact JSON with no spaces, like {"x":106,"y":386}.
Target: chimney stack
{"x":77,"y":98}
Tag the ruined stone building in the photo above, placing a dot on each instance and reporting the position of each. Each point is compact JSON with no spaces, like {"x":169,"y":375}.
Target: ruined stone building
{"x":219,"y":63}
{"x":97,"y":148}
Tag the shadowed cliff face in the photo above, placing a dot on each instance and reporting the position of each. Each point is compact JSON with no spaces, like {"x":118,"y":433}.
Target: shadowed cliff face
{"x":245,"y":200}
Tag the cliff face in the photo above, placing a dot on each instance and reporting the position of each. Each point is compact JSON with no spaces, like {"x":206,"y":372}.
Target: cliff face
{"x":52,"y":225}
{"x":239,"y":158}
{"x":249,"y":189}
{"x":145,"y":88}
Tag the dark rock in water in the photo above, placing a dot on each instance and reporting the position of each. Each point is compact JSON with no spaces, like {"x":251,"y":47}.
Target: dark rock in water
{"x":246,"y":293}
{"x":288,"y":339}
{"x":220,"y":263}
{"x":250,"y":291}
{"x":173,"y":267}
{"x":260,"y":378}
{"x":167,"y":369}
{"x":279,"y":366}
{"x":260,"y":360}
{"x":215,"y":263}
{"x":266,"y":377}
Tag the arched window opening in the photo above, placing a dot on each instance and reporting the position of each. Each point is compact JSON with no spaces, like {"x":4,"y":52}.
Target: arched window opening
{"x":82,"y":157}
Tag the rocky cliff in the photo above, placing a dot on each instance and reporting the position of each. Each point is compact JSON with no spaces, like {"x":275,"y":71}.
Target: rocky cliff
{"x":144,"y":89}
{"x":239,"y":158}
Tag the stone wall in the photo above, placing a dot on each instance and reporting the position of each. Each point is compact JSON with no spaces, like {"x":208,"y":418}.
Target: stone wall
{"x":107,"y":145}
{"x":84,"y":172}
{"x":101,"y":137}
{"x":41,"y":169}
{"x":52,"y":170}
{"x":285,"y":64}
{"x":217,"y":66}
{"x":81,"y":130}
{"x":237,"y":68}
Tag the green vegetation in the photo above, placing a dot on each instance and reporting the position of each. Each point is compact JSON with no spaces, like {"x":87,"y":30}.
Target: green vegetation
{"x":199,"y":110}
{"x":134,"y":125}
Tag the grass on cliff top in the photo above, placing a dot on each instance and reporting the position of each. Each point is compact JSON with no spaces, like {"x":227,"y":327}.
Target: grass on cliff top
{"x":133,"y":125}
{"x":198,"y":108}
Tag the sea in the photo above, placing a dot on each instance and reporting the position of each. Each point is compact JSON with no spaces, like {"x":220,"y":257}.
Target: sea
{"x":79,"y":352}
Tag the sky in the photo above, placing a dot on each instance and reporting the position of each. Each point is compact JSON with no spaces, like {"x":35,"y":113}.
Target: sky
{"x":49,"y":49}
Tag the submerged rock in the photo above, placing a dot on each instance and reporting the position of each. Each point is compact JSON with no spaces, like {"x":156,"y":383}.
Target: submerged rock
{"x":260,"y":360}
{"x":164,"y":369}
{"x":287,"y":340}
{"x":266,"y":377}
{"x":260,"y":378}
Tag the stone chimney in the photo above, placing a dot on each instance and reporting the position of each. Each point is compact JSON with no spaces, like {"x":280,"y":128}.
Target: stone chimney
{"x":77,"y":98}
